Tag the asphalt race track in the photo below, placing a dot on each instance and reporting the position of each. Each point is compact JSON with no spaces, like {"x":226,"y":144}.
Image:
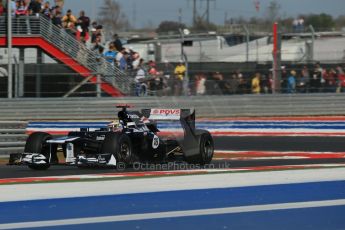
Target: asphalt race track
{"x":317,"y":144}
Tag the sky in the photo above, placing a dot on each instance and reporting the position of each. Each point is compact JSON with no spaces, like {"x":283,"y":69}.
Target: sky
{"x":143,"y":13}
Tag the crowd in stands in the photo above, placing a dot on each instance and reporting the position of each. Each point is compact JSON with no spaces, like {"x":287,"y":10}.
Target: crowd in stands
{"x":315,"y":80}
{"x":148,"y":80}
{"x":167,"y":78}
{"x":304,"y":80}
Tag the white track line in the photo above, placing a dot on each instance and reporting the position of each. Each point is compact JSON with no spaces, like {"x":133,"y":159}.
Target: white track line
{"x":19,"y":192}
{"x":174,"y":214}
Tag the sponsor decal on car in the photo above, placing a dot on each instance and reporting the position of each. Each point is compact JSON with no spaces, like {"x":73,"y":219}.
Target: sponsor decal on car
{"x":100,"y":138}
{"x":165,"y":114}
{"x":155,"y":142}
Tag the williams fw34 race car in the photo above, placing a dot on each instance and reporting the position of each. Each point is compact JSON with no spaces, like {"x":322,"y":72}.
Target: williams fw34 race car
{"x":132,"y":137}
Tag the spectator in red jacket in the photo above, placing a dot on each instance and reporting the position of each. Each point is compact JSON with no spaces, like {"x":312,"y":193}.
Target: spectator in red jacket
{"x":22,"y":9}
{"x":341,"y":79}
{"x":330,"y":78}
{"x":2,"y":9}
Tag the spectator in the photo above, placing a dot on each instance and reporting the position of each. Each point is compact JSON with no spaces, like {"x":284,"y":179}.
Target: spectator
{"x":57,"y":19}
{"x":35,"y":7}
{"x":130,"y":58}
{"x":341,"y":79}
{"x":271,"y":81}
{"x":84,"y":24}
{"x":315,"y":81}
{"x":305,"y":78}
{"x":47,"y":11}
{"x":180,"y":71}
{"x":69,"y":21}
{"x":2,"y":9}
{"x":123,"y":60}
{"x":99,"y":53}
{"x":330,"y":78}
{"x":94,"y":35}
{"x":55,"y":10}
{"x":22,"y":9}
{"x":13,"y":8}
{"x":301,"y":83}
{"x":291,"y":87}
{"x":117,"y":42}
{"x":284,"y":80}
{"x":167,"y":72}
{"x":230,"y":84}
{"x":94,"y":32}
{"x":136,"y":60}
{"x":94,"y":25}
{"x":99,"y":33}
{"x":218,"y":86}
{"x":152,"y":68}
{"x":256,"y":84}
{"x":140,"y":83}
{"x":265,"y":85}
{"x":167,"y":69}
{"x":110,"y":55}
{"x":242,"y":84}
{"x":200,"y":84}
{"x":97,"y":43}
{"x":119,"y":55}
{"x":22,"y":25}
{"x":157,"y":84}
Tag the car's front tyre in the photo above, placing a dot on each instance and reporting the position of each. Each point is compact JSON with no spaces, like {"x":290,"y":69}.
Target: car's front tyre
{"x":36,"y":143}
{"x":120,"y":146}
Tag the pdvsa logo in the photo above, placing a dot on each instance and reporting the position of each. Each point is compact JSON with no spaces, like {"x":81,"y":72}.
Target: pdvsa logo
{"x":167,"y":112}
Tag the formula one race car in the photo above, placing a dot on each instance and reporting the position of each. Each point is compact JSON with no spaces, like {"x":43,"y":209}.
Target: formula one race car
{"x":133,"y":137}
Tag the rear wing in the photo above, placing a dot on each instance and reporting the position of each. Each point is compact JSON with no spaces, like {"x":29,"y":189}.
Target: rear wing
{"x":185,"y":116}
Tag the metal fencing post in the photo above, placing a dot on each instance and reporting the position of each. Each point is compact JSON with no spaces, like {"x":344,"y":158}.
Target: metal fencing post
{"x":312,"y":42}
{"x":38,"y":82}
{"x":247,"y":42}
{"x":276,"y":59}
{"x":9,"y":49}
{"x":21,"y":79}
{"x":16,"y":76}
{"x":185,"y":59}
{"x":98,"y":85}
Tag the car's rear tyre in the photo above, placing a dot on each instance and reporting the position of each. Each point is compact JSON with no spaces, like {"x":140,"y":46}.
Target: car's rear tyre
{"x":120,"y":146}
{"x":205,"y":149}
{"x":36,"y":143}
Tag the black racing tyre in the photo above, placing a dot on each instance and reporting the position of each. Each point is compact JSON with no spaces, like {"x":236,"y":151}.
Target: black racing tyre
{"x":120,"y":146}
{"x":205,"y":146}
{"x":36,"y":144}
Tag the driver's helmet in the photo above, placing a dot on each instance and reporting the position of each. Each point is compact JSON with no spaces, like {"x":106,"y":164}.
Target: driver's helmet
{"x":115,"y":125}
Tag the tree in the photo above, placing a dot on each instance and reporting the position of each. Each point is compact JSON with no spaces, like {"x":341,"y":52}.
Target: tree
{"x":273,"y":11}
{"x":111,"y":17}
{"x":340,"y":22}
{"x":320,"y":21}
{"x":170,"y":26}
{"x":202,"y":25}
